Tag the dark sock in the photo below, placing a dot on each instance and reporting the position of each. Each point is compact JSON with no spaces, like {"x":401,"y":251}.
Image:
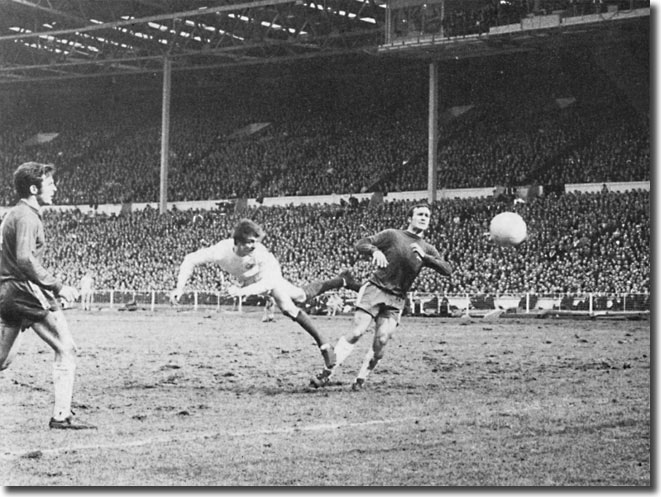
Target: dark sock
{"x":306,"y":323}
{"x":318,"y":287}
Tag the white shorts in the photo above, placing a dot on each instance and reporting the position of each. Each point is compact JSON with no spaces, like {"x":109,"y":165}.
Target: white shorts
{"x":294,"y":292}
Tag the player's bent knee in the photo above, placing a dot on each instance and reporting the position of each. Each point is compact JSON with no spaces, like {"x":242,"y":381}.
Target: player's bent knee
{"x":66,"y":350}
{"x":67,"y":357}
{"x":291,"y":313}
{"x":299,"y":296}
{"x":380,"y":342}
{"x":355,"y":335}
{"x":379,"y":352}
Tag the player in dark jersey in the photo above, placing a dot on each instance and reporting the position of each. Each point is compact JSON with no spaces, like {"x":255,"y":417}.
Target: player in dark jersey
{"x":29,"y":292}
{"x":398,"y":255}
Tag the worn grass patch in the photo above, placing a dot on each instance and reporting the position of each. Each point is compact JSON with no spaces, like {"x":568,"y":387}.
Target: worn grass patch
{"x":186,"y":398}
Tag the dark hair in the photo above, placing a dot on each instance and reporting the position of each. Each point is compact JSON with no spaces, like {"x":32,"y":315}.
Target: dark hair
{"x":417,"y":206}
{"x":28,"y":174}
{"x":247,"y":228}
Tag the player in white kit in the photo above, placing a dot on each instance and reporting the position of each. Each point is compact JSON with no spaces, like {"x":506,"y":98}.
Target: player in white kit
{"x":258,"y":272}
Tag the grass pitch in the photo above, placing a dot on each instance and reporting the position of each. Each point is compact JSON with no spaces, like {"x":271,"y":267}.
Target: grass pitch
{"x":219,"y":398}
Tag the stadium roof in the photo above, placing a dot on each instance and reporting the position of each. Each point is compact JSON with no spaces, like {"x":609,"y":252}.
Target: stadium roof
{"x":42,"y":40}
{"x":54,"y":39}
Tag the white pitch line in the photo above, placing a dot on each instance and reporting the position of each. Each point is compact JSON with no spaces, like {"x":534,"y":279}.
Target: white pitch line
{"x":210,"y":434}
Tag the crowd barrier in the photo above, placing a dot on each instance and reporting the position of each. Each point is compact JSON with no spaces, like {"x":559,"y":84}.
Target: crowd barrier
{"x":418,"y":304}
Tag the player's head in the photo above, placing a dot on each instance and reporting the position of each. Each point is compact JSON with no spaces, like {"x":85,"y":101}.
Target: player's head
{"x":33,"y":178}
{"x":418,"y":217}
{"x":246,"y":234}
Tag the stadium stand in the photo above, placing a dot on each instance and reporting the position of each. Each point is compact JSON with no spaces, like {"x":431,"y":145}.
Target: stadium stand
{"x":556,"y":128}
{"x":564,"y":123}
{"x":594,"y":242}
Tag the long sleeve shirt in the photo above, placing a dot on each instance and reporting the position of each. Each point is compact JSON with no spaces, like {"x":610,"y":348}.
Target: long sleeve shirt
{"x":404,"y":264}
{"x":256,"y":272}
{"x":23,"y":243}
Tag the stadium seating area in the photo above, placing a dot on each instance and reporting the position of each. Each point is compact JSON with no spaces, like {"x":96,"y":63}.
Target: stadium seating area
{"x":552,"y":129}
{"x":577,"y":243}
{"x":322,"y":139}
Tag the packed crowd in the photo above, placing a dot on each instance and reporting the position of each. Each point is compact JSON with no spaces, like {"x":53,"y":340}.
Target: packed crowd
{"x":577,"y":243}
{"x":317,"y":143}
{"x":320,"y":139}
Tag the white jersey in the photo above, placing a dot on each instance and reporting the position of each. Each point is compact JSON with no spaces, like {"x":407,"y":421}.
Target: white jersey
{"x":260,"y":265}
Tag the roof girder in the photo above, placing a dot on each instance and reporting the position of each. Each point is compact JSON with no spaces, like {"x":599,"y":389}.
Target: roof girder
{"x":83,"y":38}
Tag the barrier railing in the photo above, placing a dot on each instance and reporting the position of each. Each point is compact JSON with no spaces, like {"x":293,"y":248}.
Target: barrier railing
{"x":527,"y":303}
{"x":418,"y":304}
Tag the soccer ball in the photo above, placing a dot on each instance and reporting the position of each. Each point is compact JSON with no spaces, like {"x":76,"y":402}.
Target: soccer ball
{"x":508,"y":229}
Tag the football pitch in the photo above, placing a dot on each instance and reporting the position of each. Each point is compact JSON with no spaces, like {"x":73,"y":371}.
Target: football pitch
{"x":218,"y":398}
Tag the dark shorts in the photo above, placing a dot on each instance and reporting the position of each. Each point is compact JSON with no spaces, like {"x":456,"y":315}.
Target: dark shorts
{"x":23,"y":303}
{"x":378,"y":303}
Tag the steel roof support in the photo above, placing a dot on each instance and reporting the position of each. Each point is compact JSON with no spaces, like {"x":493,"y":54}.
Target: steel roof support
{"x":165,"y":134}
{"x":432,"y":159}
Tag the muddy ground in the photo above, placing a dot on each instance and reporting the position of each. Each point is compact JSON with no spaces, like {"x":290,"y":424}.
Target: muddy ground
{"x":219,"y":398}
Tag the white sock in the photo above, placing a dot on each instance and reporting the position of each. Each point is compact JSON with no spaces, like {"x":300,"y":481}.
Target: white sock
{"x":365,"y":369}
{"x":342,"y":350}
{"x":63,"y":378}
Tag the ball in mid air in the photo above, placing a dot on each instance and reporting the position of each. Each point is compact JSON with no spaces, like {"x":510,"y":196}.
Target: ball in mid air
{"x":508,"y":229}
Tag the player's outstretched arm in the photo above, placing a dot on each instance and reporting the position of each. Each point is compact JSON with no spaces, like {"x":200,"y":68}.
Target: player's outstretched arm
{"x":433,"y":260}
{"x":185,"y":272}
{"x":186,"y":269}
{"x":439,"y":265}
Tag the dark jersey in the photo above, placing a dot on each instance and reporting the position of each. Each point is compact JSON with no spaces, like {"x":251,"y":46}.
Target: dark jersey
{"x":404,"y":265}
{"x":23,"y":243}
